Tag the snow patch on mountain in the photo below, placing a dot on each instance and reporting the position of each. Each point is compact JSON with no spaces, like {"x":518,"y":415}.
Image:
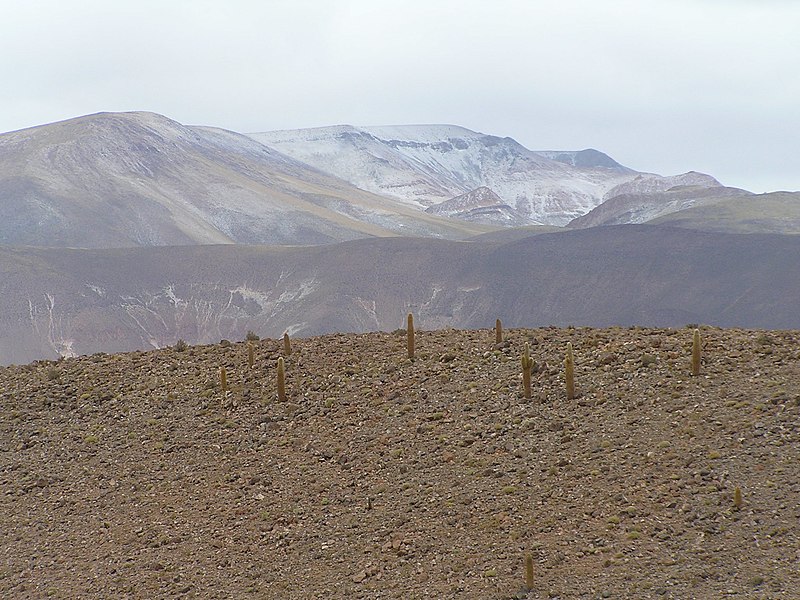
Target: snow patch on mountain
{"x":427,"y":165}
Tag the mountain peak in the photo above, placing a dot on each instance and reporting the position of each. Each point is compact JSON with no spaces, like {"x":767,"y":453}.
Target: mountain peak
{"x":421,"y":133}
{"x":480,"y":205}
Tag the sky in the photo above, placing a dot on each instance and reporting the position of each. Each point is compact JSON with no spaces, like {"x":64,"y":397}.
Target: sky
{"x":664,"y":86}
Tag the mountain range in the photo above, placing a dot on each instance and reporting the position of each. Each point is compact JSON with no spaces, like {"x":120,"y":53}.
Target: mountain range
{"x":427,"y":166}
{"x":130,"y":230}
{"x":140,"y":179}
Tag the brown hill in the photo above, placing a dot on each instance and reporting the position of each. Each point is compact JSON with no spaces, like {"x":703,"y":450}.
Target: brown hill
{"x":720,"y":209}
{"x":643,"y":207}
{"x":135,"y":476}
{"x":776,"y":212}
{"x":82,"y":301}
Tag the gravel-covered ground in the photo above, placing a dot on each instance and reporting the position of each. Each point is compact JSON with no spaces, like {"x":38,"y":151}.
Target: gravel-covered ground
{"x":135,"y":476}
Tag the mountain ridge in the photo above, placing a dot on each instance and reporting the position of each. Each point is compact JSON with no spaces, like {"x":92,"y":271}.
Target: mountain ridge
{"x":68,"y":302}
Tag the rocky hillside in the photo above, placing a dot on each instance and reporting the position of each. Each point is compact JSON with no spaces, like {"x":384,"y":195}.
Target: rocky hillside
{"x":136,"y":475}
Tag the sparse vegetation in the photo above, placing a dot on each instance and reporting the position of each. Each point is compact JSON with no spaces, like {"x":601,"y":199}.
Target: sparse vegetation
{"x":181,"y":346}
{"x":251,"y":336}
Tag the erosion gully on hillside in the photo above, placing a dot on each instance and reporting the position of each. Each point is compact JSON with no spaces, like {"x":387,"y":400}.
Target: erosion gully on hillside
{"x":134,"y":476}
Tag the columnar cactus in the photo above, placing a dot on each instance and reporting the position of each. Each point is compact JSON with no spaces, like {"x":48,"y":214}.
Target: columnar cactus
{"x":250,"y":355}
{"x":281,"y":381}
{"x":527,"y":367}
{"x":287,"y":344}
{"x":528,"y":572}
{"x":410,"y":333}
{"x":696,"y":353}
{"x":737,"y":498}
{"x":569,"y":372}
{"x":498,"y":332}
{"x":223,"y":379}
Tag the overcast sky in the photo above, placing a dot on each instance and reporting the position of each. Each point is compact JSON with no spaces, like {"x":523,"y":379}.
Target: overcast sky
{"x":665,"y":86}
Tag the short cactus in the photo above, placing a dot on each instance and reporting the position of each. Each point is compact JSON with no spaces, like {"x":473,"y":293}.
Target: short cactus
{"x":410,"y":333}
{"x":281,"y":381}
{"x":498,"y":332}
{"x":527,"y":367}
{"x":696,"y":353}
{"x":569,"y":372}
{"x":737,"y":498}
{"x":287,"y":344}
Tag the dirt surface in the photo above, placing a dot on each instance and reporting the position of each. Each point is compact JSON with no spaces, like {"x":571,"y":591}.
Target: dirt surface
{"x":135,"y":476}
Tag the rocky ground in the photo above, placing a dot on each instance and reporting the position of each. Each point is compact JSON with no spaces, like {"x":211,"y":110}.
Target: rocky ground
{"x":135,"y":476}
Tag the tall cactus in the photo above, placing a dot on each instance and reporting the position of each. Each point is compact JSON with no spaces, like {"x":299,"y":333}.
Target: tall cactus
{"x":410,"y":333}
{"x":528,"y":573}
{"x":223,"y":379}
{"x":696,"y":353}
{"x":569,"y":372}
{"x":251,"y":359}
{"x":498,"y":332}
{"x":527,"y":367}
{"x":281,"y":380}
{"x":287,"y":344}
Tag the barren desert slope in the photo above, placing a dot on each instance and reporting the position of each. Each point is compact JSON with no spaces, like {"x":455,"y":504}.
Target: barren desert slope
{"x":134,"y":476}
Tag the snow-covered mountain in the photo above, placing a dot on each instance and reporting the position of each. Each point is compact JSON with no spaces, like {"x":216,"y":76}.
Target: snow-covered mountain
{"x":141,"y":179}
{"x":426,"y":165}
